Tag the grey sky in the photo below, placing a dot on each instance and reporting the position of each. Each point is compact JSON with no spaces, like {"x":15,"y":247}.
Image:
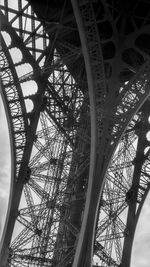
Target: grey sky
{"x":4,"y":165}
{"x":141,"y":247}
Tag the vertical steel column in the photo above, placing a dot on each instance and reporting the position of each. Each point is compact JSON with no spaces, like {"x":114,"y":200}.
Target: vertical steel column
{"x":132,"y":195}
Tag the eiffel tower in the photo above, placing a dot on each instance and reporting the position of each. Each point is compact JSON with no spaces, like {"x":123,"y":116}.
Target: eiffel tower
{"x":75,"y":83}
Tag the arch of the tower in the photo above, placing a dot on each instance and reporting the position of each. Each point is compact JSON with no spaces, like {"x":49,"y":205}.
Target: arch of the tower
{"x":75,"y":83}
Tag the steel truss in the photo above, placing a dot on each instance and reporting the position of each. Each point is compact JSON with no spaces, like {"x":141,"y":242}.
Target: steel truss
{"x":55,"y":161}
{"x":124,"y":193}
{"x":64,"y":142}
{"x":119,"y":106}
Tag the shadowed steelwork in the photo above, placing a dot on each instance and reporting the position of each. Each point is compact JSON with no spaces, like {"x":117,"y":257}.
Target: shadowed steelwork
{"x":75,"y":83}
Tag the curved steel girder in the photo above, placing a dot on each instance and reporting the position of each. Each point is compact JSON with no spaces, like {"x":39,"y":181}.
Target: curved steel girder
{"x":127,"y":252}
{"x":30,"y":131}
{"x":137,"y":187}
{"x":134,"y":211}
{"x":12,"y":137}
{"x":81,"y":249}
{"x":8,"y":98}
{"x":109,"y":139}
{"x":24,"y":166}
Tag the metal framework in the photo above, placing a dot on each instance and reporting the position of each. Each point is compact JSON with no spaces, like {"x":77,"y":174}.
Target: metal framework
{"x":75,"y":86}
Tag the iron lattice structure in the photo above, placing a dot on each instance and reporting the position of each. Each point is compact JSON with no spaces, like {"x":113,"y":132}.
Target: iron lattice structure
{"x":75,"y":86}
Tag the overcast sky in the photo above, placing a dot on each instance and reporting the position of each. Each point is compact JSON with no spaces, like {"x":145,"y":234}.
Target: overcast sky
{"x":141,"y":248}
{"x":4,"y":165}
